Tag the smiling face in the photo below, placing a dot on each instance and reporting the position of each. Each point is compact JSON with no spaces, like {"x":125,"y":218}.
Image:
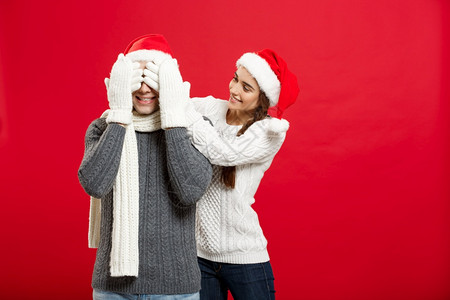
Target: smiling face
{"x":244,"y":92}
{"x":145,"y":99}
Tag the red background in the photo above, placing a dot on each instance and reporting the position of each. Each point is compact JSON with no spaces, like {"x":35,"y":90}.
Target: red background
{"x":355,"y":205}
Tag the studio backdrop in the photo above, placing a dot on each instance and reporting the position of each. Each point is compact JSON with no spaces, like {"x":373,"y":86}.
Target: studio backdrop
{"x":355,"y":205}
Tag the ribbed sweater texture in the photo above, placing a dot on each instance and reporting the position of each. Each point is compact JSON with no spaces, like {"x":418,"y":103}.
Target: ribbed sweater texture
{"x":228,"y":228}
{"x":173,"y":175}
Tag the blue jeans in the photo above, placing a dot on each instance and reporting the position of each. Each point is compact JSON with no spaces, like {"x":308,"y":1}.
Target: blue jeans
{"x":104,"y":295}
{"x":244,"y":281}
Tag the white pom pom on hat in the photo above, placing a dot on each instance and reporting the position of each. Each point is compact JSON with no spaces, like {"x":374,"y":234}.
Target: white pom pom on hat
{"x":149,"y":47}
{"x":273,"y":77}
{"x":277,"y":126}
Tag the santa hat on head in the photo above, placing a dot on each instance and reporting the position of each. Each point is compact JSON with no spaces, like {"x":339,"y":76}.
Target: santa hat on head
{"x":149,"y":47}
{"x":275,"y":80}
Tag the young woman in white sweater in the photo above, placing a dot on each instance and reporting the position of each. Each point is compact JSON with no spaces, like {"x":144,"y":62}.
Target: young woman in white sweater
{"x":240,"y":139}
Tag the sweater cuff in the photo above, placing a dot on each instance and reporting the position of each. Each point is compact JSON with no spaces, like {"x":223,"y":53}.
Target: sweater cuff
{"x":173,"y":118}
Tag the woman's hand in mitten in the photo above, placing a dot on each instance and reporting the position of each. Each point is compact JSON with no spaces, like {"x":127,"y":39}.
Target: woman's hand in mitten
{"x":173,"y":95}
{"x":151,"y":77}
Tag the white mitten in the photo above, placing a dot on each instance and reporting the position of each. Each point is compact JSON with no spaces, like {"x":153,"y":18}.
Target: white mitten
{"x":136,"y":80}
{"x":136,"y":77}
{"x":151,"y":77}
{"x":173,"y":95}
{"x":119,"y":91}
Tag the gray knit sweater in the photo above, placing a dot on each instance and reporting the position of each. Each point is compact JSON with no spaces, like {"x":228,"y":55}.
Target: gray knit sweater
{"x":173,"y":175}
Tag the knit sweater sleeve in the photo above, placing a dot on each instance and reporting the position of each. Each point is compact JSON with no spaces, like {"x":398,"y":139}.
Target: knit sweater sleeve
{"x":189,"y":171}
{"x":206,"y":106}
{"x":103,"y":150}
{"x":258,"y":143}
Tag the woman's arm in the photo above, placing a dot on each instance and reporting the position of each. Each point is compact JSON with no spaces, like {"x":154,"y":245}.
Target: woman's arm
{"x":103,"y":150}
{"x":207,"y":106}
{"x":257,"y":144}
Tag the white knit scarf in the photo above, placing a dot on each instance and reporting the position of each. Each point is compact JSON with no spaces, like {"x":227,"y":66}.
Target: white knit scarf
{"x":125,"y":244}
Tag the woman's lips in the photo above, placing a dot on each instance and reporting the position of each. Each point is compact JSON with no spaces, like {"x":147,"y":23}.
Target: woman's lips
{"x":234,"y":100}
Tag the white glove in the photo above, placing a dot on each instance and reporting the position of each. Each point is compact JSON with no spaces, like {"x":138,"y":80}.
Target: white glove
{"x":119,"y":90}
{"x":173,"y":95}
{"x":136,"y":80}
{"x":136,"y":77}
{"x":151,"y":77}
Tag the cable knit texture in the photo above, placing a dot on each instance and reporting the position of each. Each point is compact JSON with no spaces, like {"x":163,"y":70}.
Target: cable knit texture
{"x":172,"y":176}
{"x":125,"y":234}
{"x":227,"y":227}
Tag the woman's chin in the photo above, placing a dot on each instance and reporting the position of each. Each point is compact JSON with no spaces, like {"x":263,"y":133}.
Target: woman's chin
{"x":233,"y":104}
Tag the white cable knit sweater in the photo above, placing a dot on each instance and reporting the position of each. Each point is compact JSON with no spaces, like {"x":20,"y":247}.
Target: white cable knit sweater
{"x":227,"y":227}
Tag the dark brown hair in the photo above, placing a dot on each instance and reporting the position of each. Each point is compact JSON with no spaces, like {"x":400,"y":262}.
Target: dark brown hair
{"x":259,"y":113}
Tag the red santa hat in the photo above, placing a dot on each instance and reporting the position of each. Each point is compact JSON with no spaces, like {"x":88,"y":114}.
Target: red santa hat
{"x":149,"y":47}
{"x":274,"y":79}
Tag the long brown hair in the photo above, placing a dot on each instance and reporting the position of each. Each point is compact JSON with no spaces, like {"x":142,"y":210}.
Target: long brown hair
{"x":259,"y":113}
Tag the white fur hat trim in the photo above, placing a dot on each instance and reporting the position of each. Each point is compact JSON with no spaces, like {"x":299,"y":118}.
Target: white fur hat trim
{"x":149,"y":55}
{"x":260,"y":69}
